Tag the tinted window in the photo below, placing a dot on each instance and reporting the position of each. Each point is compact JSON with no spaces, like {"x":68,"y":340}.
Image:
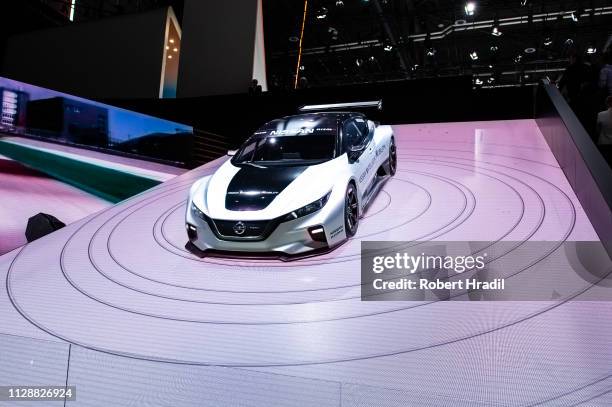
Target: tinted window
{"x":309,"y":137}
{"x":354,"y":132}
{"x":362,"y":125}
{"x":288,"y":149}
{"x":302,"y":125}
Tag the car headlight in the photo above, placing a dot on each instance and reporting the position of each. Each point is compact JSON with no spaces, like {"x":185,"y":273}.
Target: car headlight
{"x":197,"y":212}
{"x":308,"y":209}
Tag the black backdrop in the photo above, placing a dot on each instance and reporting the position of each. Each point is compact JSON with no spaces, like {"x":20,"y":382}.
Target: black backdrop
{"x":225,"y":121}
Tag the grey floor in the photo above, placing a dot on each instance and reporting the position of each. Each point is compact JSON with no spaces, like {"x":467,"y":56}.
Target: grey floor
{"x":115,"y":305}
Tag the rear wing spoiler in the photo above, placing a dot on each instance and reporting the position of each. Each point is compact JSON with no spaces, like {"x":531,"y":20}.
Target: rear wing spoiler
{"x":373,"y":104}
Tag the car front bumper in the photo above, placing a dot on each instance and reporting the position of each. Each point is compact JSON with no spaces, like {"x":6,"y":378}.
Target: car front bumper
{"x":293,"y":237}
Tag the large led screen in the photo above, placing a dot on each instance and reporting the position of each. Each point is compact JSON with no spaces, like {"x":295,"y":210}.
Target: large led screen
{"x":43,"y":113}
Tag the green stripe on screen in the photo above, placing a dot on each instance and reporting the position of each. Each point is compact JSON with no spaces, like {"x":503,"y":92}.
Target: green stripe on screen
{"x":107,"y":183}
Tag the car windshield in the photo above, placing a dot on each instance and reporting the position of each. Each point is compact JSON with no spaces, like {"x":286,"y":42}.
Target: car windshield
{"x":293,"y":140}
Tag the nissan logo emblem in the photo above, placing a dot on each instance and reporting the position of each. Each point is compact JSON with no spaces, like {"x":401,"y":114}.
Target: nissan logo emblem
{"x":239,"y":228}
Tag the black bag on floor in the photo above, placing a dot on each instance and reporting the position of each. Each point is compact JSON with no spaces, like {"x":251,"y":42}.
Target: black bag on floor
{"x":41,"y":225}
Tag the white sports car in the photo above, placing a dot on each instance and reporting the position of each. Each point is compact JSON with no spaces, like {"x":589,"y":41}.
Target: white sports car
{"x":297,"y":186}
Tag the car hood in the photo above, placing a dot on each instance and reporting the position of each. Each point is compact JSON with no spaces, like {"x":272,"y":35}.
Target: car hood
{"x":254,"y":188}
{"x":251,"y":193}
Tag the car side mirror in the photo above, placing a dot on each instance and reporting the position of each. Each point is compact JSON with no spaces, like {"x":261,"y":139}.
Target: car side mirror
{"x":357,"y":149}
{"x":232,"y":153}
{"x":371,"y":126}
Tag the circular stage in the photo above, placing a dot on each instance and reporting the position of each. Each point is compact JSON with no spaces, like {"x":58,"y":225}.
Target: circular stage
{"x":121,"y":281}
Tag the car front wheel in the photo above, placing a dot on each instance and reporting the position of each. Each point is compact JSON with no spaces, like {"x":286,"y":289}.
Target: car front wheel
{"x":351,"y":210}
{"x":392,"y":158}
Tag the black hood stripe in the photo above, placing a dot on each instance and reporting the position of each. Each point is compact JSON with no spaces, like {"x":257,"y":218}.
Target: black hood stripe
{"x":253,"y":188}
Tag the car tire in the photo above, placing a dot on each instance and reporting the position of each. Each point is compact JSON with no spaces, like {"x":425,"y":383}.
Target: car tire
{"x":392,"y":157}
{"x":351,"y":210}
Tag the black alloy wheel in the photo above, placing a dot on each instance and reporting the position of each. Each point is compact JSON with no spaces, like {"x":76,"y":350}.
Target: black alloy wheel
{"x":392,"y":158}
{"x":351,"y":210}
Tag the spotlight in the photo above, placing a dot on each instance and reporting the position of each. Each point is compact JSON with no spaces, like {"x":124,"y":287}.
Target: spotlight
{"x":575,"y":15}
{"x":591,"y":49}
{"x":478,"y":81}
{"x":474,"y":55}
{"x":302,"y":68}
{"x":470,"y":8}
{"x":322,"y":13}
{"x":518,"y":58}
{"x":339,"y":3}
{"x":175,"y":49}
{"x":169,"y":56}
{"x":388,"y":47}
{"x":430,"y":51}
{"x":491,"y":79}
{"x":547,"y":35}
{"x":372,"y":58}
{"x":495,"y":31}
{"x":171,"y":40}
{"x":494,"y":48}
{"x":359,"y":62}
{"x":569,"y":42}
{"x":333,"y":33}
{"x":524,"y":3}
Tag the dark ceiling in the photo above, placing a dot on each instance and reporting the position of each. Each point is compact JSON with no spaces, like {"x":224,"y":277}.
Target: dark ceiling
{"x":355,"y":41}
{"x":351,"y":41}
{"x":28,"y":15}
